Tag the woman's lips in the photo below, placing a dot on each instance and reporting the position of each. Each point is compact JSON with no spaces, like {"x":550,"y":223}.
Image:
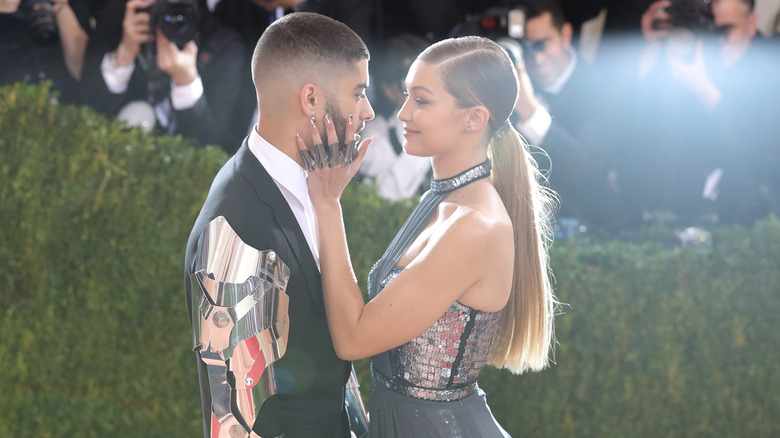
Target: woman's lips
{"x":408,"y":132}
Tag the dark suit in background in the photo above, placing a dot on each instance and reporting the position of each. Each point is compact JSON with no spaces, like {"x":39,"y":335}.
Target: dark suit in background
{"x":581,"y":142}
{"x":310,"y":377}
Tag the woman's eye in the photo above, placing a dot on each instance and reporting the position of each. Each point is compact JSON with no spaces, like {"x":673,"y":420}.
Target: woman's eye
{"x":420,"y":101}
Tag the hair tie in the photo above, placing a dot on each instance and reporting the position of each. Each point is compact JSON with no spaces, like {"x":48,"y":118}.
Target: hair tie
{"x":503,"y":129}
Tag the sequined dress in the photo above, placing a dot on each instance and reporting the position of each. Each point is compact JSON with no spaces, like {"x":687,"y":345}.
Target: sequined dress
{"x":428,"y":386}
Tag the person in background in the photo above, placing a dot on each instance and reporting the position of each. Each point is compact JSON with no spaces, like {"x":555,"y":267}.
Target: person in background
{"x":568,"y":108}
{"x":44,"y":40}
{"x":185,"y":87}
{"x":725,"y":169}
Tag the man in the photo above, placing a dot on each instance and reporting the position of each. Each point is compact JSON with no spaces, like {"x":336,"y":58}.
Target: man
{"x":188,"y":88}
{"x":563,"y":105}
{"x":305,"y":66}
{"x":728,"y":162}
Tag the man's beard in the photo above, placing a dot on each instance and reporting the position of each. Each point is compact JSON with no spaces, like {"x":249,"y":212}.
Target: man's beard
{"x":339,"y":121}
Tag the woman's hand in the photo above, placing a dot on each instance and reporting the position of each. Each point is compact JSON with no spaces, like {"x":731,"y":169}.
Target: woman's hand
{"x":331,"y":166}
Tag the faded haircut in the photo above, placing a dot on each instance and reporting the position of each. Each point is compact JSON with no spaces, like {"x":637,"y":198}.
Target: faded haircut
{"x":315,"y":47}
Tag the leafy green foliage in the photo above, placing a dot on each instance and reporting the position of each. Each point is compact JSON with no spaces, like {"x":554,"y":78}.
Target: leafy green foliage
{"x":654,"y":340}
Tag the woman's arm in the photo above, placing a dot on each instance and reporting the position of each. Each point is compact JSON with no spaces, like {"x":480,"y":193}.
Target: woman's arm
{"x":445,"y":269}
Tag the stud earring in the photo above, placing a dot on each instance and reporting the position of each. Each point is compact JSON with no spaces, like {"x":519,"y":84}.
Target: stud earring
{"x":468,"y":128}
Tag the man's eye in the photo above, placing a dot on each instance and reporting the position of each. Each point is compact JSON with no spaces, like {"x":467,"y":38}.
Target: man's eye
{"x":361,"y":96}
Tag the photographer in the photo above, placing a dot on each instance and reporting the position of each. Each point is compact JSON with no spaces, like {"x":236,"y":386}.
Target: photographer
{"x":188,"y":86}
{"x":44,"y":40}
{"x":701,"y":65}
{"x":567,"y":108}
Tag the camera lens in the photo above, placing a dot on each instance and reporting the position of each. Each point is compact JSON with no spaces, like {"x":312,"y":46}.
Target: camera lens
{"x":40,"y":19}
{"x":178,"y":22}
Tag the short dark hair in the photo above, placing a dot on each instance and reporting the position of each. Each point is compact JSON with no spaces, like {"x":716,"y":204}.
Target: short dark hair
{"x":535,"y":8}
{"x":749,"y":3}
{"x":307,"y":43}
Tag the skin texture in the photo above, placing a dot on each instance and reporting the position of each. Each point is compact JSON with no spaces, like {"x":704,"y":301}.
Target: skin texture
{"x":465,"y":253}
{"x":546,"y":65}
{"x":741,"y":24}
{"x":284,"y":113}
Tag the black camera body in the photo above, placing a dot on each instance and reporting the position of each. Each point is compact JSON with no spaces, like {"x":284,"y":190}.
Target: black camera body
{"x":504,"y":25}
{"x":694,"y":15}
{"x":40,"y":20}
{"x":497,"y":23}
{"x":177,"y":19}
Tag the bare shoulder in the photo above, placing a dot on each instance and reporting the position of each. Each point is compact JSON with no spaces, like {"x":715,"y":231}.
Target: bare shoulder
{"x":479,"y":226}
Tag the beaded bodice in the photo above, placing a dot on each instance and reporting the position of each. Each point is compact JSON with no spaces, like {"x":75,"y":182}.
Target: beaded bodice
{"x":444,"y":361}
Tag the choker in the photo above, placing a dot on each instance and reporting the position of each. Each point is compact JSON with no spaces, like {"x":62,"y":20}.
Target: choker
{"x":466,"y":177}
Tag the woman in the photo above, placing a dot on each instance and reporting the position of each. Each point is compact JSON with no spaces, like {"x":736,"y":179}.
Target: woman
{"x":465,"y":281}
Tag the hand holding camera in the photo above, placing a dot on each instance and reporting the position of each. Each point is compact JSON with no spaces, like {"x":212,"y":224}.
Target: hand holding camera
{"x":135,"y":32}
{"x":526,"y":102}
{"x":656,"y":21}
{"x":181,"y":65}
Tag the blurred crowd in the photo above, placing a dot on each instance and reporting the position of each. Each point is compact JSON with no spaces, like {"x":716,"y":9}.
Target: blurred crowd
{"x":637,"y":111}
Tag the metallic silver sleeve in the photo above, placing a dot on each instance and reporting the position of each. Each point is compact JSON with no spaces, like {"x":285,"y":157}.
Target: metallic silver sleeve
{"x":358,"y":418}
{"x":240,"y":324}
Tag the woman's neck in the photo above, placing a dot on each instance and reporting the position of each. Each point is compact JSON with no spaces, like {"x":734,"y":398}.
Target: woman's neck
{"x":451,"y":164}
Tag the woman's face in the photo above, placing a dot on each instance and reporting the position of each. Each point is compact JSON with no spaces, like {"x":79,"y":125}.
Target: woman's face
{"x":433,"y":123}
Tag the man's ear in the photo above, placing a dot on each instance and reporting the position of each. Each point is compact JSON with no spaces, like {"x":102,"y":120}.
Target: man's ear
{"x":478,"y":116}
{"x":309,"y":97}
{"x":567,"y":32}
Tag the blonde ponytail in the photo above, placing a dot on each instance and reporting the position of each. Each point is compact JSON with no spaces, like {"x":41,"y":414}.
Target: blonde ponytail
{"x":477,"y":71}
{"x":525,"y":333}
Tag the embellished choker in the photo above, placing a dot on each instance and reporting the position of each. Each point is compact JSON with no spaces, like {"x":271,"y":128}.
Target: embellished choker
{"x":468,"y":176}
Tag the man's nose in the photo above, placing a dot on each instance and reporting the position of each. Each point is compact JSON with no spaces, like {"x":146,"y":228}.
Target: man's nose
{"x":367,"y":112}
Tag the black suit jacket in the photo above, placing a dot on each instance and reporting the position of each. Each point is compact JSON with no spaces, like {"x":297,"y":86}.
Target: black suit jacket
{"x":581,"y":144}
{"x":310,"y":377}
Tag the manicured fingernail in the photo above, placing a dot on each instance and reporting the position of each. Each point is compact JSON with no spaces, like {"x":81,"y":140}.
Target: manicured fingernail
{"x":328,"y":119}
{"x":313,"y":122}
{"x":298,"y":137}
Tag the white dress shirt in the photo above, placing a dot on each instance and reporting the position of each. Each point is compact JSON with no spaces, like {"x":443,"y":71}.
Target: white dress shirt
{"x":290,"y":177}
{"x":117,"y":79}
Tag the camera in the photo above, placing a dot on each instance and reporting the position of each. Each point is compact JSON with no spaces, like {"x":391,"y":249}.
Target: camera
{"x":40,"y":20}
{"x":504,"y":25}
{"x":496,"y":23}
{"x":694,"y":15}
{"x":177,"y":19}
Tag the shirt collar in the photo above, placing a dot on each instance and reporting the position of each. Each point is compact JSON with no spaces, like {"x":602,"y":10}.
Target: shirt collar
{"x":558,"y":84}
{"x":283,"y":169}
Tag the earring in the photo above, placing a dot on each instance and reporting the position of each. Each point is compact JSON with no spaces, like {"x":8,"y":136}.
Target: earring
{"x":468,"y":128}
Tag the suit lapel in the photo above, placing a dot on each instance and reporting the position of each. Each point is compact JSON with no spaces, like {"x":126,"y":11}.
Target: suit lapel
{"x":268,"y":192}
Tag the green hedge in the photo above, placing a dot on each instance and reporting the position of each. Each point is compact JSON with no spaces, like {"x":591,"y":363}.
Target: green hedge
{"x":95,"y":341}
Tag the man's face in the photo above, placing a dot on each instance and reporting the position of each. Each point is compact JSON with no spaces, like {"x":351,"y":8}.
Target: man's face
{"x":738,"y":23}
{"x":546,"y":55}
{"x":350,"y":99}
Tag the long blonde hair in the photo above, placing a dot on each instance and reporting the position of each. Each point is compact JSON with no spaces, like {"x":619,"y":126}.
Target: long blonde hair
{"x":477,"y":71}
